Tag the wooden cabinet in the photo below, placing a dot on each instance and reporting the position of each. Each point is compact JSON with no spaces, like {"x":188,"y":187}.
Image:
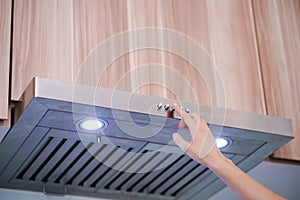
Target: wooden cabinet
{"x":5,"y":27}
{"x":278,"y":32}
{"x":225,"y":29}
{"x":233,"y":44}
{"x":42,"y":42}
{"x":53,"y":38}
{"x":94,"y":22}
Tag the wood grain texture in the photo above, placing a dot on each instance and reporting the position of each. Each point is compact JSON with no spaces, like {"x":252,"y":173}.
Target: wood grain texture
{"x":278,"y":31}
{"x":94,"y":23}
{"x":187,"y":18}
{"x":54,"y":38}
{"x":5,"y":27}
{"x":234,"y":50}
{"x":7,"y":122}
{"x":226,"y":30}
{"x":42,"y":42}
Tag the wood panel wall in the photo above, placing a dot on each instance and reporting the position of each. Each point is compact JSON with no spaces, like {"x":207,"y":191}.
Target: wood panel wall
{"x":278,"y":31}
{"x":5,"y":27}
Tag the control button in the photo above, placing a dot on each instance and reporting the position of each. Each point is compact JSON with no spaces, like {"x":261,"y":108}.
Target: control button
{"x":166,"y":107}
{"x":171,"y":109}
{"x":159,"y":106}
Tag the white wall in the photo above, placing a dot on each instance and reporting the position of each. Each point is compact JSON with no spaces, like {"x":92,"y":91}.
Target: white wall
{"x":281,"y":178}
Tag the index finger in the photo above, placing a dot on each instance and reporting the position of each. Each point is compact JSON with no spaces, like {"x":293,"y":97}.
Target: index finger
{"x":179,"y":112}
{"x":177,"y":109}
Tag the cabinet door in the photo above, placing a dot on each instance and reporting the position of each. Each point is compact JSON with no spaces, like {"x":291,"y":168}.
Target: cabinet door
{"x":42,"y":42}
{"x":94,"y":23}
{"x":5,"y":27}
{"x":278,"y":31}
{"x":225,"y":29}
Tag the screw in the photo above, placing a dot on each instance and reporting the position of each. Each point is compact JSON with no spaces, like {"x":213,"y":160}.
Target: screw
{"x":98,"y":139}
{"x":187,"y":110}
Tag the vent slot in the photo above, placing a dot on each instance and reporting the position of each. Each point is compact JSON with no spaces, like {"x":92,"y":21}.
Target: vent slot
{"x":177,"y":177}
{"x":127,"y":176}
{"x":56,"y":160}
{"x":96,"y":162}
{"x":155,"y":176}
{"x":84,"y":181}
{"x":185,"y":181}
{"x":112,"y":182}
{"x":86,"y":159}
{"x":21,"y":174}
{"x":40,"y":160}
{"x":137,"y":178}
{"x":68,"y":163}
{"x":169,"y":175}
{"x":104,"y":173}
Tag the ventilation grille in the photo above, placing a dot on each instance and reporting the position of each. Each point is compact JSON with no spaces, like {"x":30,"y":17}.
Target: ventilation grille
{"x":64,"y":161}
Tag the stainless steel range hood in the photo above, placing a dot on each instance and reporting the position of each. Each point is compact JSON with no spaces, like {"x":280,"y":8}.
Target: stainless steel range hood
{"x":133,"y":156}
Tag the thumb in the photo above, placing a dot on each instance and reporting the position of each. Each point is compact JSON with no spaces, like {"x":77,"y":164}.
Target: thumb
{"x":183,"y":144}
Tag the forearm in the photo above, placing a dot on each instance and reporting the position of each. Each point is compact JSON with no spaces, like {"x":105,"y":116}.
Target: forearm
{"x":241,"y":183}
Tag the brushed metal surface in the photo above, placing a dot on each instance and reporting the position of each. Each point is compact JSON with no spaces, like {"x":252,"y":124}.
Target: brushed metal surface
{"x":78,"y":93}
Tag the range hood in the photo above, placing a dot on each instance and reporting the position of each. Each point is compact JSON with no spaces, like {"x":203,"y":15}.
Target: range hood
{"x":133,"y":156}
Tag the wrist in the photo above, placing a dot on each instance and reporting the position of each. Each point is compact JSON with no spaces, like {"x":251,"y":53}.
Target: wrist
{"x":216,"y":160}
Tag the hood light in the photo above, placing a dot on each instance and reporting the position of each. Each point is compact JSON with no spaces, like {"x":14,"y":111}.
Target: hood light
{"x":92,"y":124}
{"x":222,"y":142}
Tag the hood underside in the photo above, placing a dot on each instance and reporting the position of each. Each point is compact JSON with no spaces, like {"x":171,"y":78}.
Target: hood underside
{"x":133,"y":156}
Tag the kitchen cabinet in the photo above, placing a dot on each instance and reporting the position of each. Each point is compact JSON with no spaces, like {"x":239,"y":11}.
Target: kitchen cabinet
{"x":42,"y":42}
{"x":53,"y":38}
{"x":278,"y":36}
{"x":5,"y":27}
{"x":225,"y":29}
{"x":233,"y":43}
{"x":94,"y":22}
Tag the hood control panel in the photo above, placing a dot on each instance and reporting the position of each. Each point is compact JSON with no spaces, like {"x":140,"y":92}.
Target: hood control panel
{"x":168,"y":107}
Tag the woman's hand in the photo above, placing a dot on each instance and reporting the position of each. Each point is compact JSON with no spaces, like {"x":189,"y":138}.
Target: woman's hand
{"x":202,"y":147}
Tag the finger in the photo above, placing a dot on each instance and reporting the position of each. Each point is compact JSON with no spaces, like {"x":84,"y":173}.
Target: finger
{"x":177,"y":109}
{"x":189,"y":121}
{"x":181,"y":124}
{"x":179,"y":112}
{"x":179,"y":141}
{"x":195,"y":116}
{"x":170,"y":114}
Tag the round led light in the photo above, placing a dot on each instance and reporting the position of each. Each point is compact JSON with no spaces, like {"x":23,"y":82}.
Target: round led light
{"x":92,"y":124}
{"x":222,"y":142}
